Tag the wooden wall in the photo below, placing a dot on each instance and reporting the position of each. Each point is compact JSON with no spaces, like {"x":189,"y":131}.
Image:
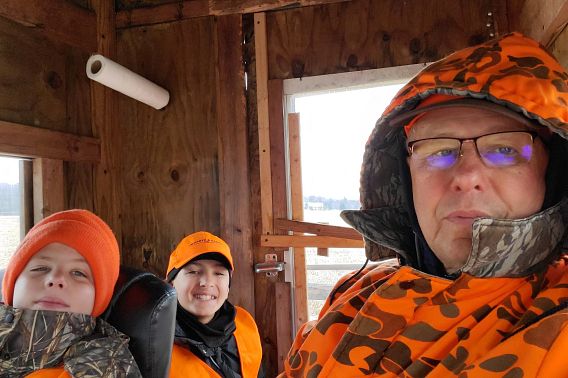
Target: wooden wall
{"x":368,"y":34}
{"x":184,"y":168}
{"x":168,"y":159}
{"x":43,"y":84}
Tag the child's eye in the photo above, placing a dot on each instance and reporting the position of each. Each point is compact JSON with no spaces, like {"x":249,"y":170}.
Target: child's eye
{"x":39,"y":269}
{"x":192,"y":272}
{"x":219,"y":273}
{"x":78,"y":273}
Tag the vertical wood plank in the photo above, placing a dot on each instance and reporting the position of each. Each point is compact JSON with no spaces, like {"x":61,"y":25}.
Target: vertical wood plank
{"x":26,"y":197}
{"x":48,"y":187}
{"x":234,"y":183}
{"x":283,"y":321}
{"x":103,"y":118}
{"x":261,"y":52}
{"x":277,"y":150}
{"x":300,"y":284}
{"x":265,"y":303}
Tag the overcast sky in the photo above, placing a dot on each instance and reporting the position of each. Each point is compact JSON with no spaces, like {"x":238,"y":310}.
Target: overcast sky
{"x":9,"y":170}
{"x":334,"y":129}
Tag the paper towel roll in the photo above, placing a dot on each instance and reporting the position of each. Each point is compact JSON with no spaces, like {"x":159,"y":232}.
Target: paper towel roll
{"x":121,"y":79}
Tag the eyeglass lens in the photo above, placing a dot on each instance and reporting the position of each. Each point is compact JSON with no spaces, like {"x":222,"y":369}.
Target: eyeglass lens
{"x":497,"y":150}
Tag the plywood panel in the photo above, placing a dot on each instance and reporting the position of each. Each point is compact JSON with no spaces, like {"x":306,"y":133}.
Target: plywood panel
{"x":168,"y":159}
{"x":32,"y":78}
{"x":234,"y":181}
{"x":560,"y":48}
{"x":367,"y":34}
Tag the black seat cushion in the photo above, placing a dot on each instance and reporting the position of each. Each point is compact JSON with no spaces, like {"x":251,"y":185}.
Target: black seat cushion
{"x":144,"y":308}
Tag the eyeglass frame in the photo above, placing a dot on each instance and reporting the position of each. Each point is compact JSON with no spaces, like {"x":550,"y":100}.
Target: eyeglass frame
{"x":532,"y":133}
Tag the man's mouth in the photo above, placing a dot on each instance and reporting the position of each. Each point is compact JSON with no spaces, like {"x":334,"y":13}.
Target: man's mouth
{"x":465,"y":217}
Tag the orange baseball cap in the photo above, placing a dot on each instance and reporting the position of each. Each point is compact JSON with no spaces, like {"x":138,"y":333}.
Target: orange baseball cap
{"x":81,"y":230}
{"x":195,"y":245}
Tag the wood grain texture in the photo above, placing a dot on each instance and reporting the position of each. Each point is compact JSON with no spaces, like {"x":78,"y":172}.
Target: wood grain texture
{"x":285,"y":241}
{"x":32,"y":78}
{"x":263,"y":112}
{"x":106,"y":182}
{"x":560,"y":48}
{"x":48,"y":188}
{"x":277,"y":150}
{"x":164,"y":11}
{"x":168,"y":159}
{"x":316,"y":229}
{"x":297,"y":201}
{"x":60,"y":20}
{"x":542,"y":20}
{"x":264,"y":287}
{"x":234,"y":182}
{"x":79,"y":189}
{"x":367,"y":34}
{"x":283,"y":321}
{"x":28,"y":141}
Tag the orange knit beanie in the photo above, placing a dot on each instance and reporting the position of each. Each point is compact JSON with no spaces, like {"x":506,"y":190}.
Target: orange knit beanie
{"x":81,"y":230}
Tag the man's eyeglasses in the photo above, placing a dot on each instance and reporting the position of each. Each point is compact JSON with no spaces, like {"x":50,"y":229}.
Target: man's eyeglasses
{"x":502,"y":149}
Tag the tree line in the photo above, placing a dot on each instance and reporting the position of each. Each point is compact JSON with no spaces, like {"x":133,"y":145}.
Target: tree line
{"x":332,"y":203}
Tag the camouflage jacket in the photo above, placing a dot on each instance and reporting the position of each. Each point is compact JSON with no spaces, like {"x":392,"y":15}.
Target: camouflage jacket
{"x":85,"y":346}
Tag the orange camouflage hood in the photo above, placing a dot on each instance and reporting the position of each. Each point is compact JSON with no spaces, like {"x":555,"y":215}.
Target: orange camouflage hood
{"x":512,"y":71}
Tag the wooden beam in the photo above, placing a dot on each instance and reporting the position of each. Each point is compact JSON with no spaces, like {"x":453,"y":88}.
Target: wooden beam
{"x":48,"y":192}
{"x":58,"y":19}
{"x":543,"y":20}
{"x":316,"y":229}
{"x":297,"y":201}
{"x":27,"y":141}
{"x":104,"y":124}
{"x":234,"y":182}
{"x":285,"y":241}
{"x":261,"y":54}
{"x":182,"y":10}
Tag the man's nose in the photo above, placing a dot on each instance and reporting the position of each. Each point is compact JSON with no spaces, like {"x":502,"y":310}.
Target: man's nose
{"x":468,"y":173}
{"x":56,"y":278}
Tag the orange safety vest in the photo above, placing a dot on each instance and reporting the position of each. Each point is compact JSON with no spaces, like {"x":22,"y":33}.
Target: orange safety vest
{"x":186,"y":364}
{"x":56,"y":372}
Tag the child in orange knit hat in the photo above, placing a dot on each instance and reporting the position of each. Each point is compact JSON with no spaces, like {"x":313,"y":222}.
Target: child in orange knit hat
{"x":58,"y":281}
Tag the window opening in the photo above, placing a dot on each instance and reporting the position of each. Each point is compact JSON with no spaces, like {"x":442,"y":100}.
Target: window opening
{"x":11,"y":195}
{"x":334,"y":129}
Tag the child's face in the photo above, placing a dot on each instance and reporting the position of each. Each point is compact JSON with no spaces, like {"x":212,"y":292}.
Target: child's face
{"x":56,"y":278}
{"x":202,"y":288}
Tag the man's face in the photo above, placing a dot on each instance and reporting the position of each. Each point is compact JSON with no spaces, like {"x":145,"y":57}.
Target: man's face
{"x":447,"y":201}
{"x":57,"y":278}
{"x":202,"y":288}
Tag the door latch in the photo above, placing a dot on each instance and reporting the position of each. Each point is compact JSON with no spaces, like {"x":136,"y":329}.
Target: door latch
{"x":271,"y":266}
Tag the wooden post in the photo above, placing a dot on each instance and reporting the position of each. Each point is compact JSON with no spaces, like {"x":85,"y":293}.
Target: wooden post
{"x":103,"y":116}
{"x":261,"y":54}
{"x":48,"y":188}
{"x":234,"y":183}
{"x":300,"y":284}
